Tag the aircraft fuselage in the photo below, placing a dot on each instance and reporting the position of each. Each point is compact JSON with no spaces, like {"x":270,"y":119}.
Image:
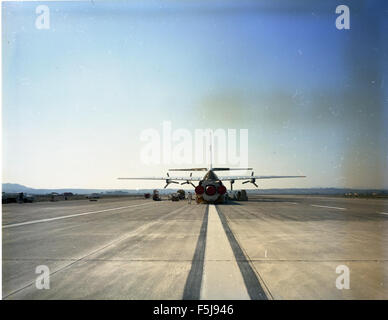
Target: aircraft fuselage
{"x":210,"y":189}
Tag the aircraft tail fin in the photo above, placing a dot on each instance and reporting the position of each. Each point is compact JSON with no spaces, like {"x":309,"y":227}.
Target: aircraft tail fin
{"x":211,"y":150}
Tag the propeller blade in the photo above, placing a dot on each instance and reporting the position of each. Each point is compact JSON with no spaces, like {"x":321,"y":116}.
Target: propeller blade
{"x":255,"y":184}
{"x":245,"y":182}
{"x":192,"y":184}
{"x":166,"y":185}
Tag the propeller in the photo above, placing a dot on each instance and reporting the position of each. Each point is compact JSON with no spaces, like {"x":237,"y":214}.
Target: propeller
{"x":168,"y":181}
{"x":231,"y":184}
{"x":252,"y":180}
{"x":188,"y":181}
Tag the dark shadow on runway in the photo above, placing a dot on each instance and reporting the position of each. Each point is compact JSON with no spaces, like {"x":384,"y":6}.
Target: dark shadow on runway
{"x":230,"y":203}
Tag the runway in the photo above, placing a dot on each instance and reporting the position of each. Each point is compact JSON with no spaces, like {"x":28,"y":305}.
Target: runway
{"x":271,"y":247}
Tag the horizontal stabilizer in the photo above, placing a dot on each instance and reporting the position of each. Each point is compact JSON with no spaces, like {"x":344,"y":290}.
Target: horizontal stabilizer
{"x":229,"y":169}
{"x":189,"y":169}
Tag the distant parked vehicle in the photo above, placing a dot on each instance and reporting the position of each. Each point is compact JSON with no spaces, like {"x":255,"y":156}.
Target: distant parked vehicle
{"x":147,"y":195}
{"x":156,"y":196}
{"x":93,"y":197}
{"x":181,"y":194}
{"x":68,"y":195}
{"x":28,"y":198}
{"x":239,"y":195}
{"x":53,"y":196}
{"x":9,"y":197}
{"x":16,"y":198}
{"x":174,"y":196}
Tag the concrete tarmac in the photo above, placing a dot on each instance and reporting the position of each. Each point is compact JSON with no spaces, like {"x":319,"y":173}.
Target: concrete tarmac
{"x":271,"y":247}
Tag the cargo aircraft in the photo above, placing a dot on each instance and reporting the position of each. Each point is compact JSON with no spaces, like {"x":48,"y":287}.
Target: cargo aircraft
{"x":210,"y":188}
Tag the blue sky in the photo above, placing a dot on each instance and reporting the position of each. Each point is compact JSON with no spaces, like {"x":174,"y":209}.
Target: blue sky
{"x":77,"y":96}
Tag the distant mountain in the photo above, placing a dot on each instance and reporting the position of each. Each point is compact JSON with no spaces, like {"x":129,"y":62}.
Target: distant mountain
{"x":16,"y":188}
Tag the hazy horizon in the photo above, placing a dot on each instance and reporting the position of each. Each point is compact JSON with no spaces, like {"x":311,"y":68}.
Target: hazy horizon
{"x":191,"y":188}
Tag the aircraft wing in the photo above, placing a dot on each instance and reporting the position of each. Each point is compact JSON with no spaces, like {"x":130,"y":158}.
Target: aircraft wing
{"x":163,"y":178}
{"x":256,"y":177}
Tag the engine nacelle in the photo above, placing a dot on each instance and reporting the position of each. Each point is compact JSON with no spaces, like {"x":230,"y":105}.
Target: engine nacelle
{"x":210,"y":191}
{"x":199,"y":189}
{"x":221,"y":189}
